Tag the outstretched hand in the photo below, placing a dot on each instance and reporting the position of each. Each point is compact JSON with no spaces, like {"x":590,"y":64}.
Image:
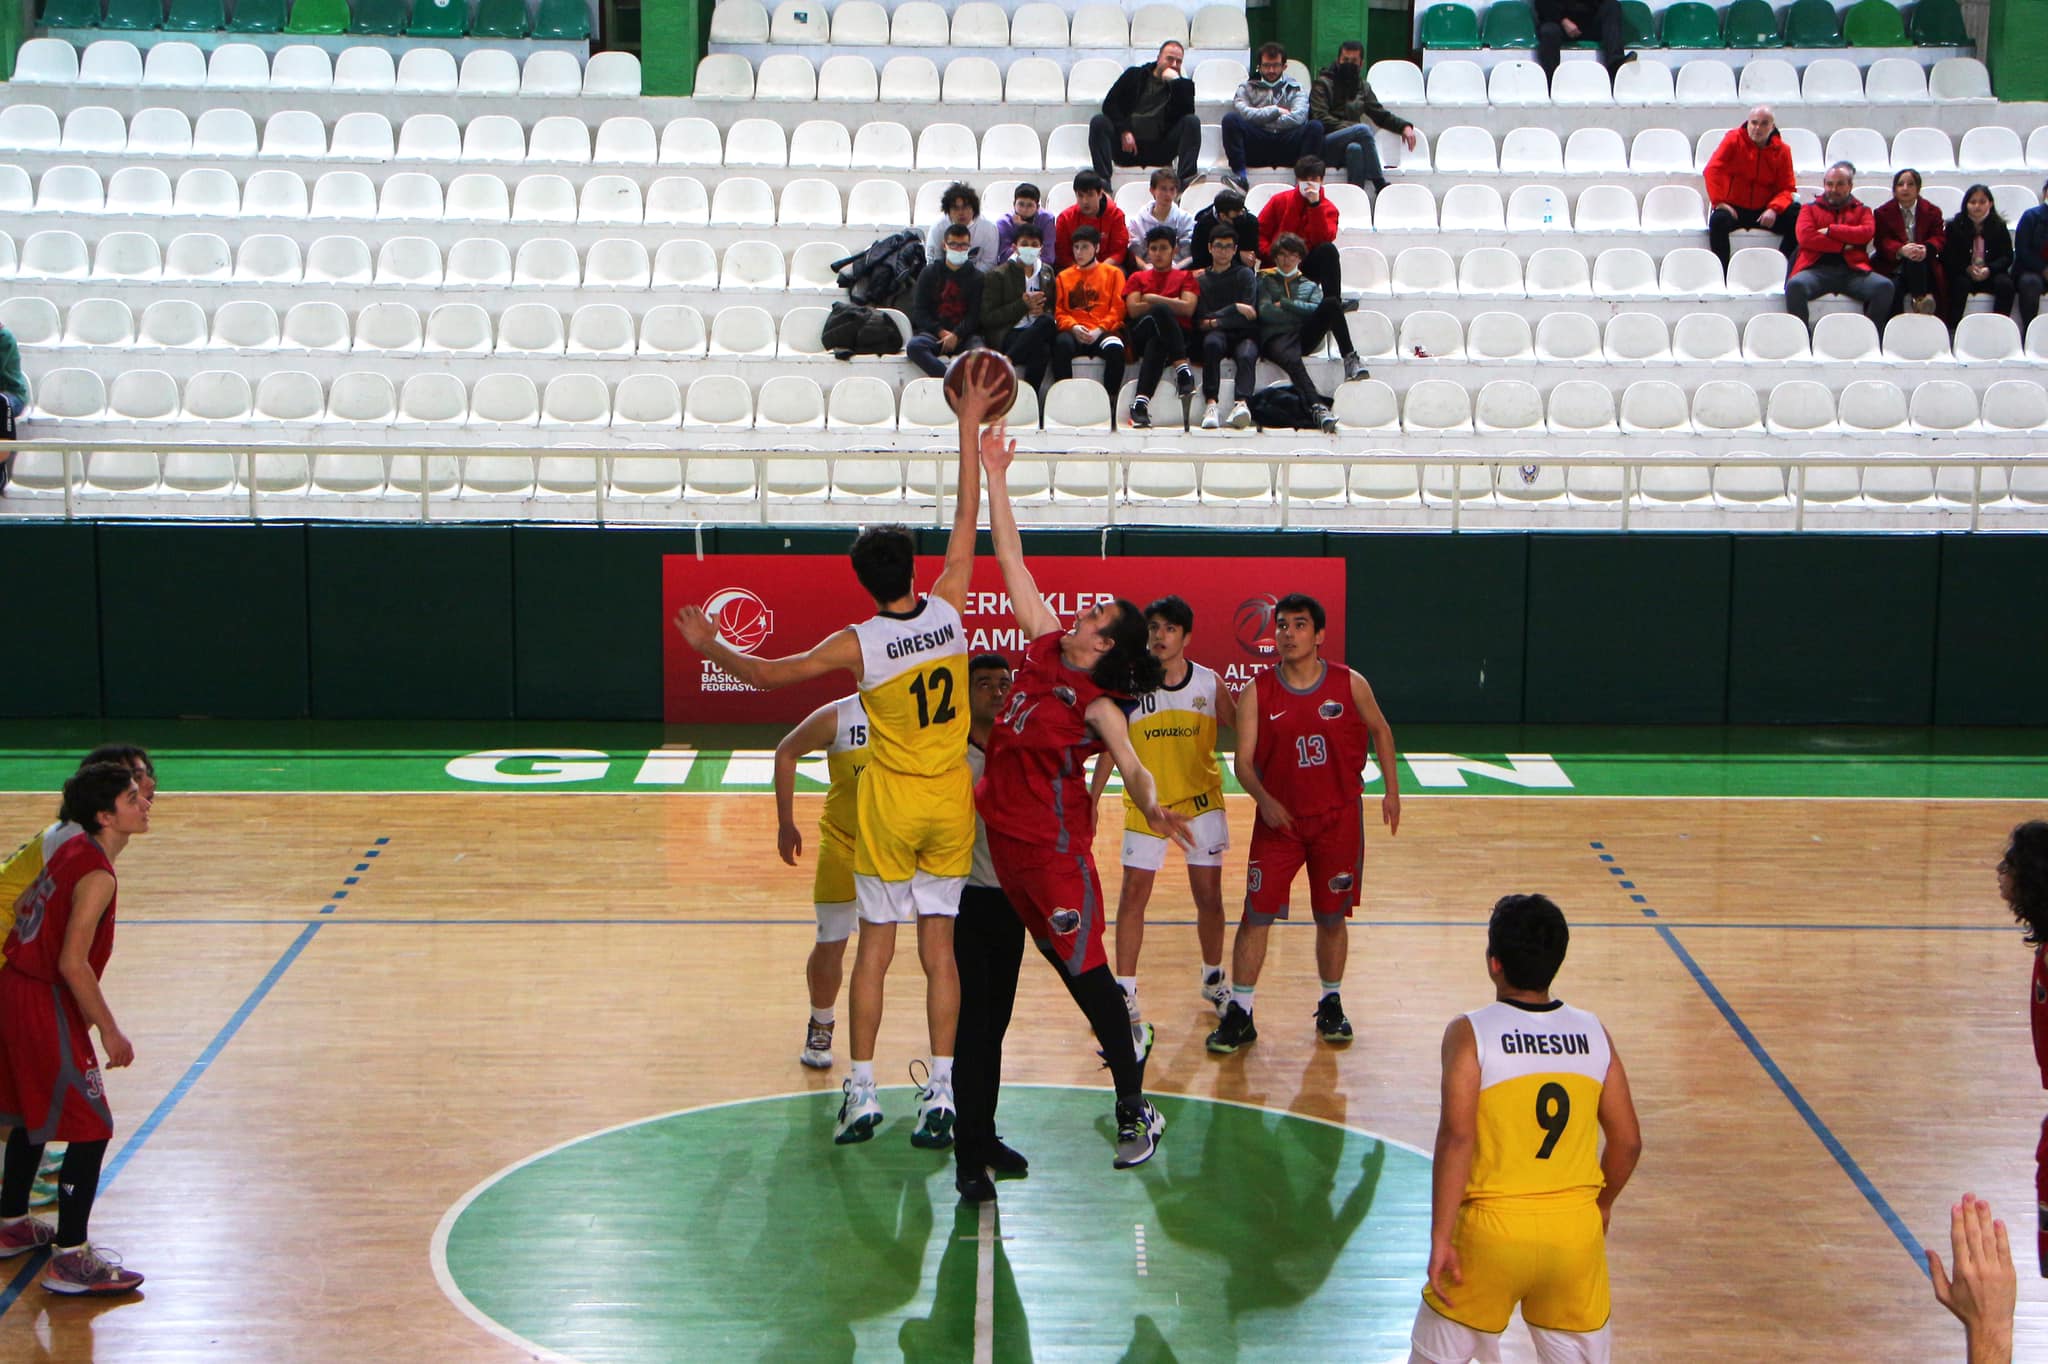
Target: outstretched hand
{"x":997,"y":449}
{"x":696,"y":628}
{"x":1985,"y":1288}
{"x":979,"y":388}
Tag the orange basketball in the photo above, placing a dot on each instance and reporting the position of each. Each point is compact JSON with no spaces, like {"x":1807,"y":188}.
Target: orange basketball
{"x":992,"y":367}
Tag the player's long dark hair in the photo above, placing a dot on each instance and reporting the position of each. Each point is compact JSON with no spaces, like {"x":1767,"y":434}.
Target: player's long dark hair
{"x":2026,"y":861}
{"x":90,"y":794}
{"x":1129,"y":668}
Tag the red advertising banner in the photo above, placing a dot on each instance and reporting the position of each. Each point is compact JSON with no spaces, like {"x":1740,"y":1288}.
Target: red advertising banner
{"x":773,"y":604}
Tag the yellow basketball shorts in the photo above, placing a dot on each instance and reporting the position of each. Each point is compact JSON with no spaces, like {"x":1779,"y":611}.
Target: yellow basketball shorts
{"x":914,"y":824}
{"x":1552,"y":1261}
{"x":832,"y":882}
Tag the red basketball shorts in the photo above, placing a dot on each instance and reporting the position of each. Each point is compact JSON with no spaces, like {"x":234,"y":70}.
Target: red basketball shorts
{"x":1331,"y":845}
{"x":49,"y":1075}
{"x":1057,"y":895}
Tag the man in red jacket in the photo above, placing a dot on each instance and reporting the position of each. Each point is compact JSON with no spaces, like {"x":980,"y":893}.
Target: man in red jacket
{"x":1834,"y":250}
{"x":1306,"y":212}
{"x":1750,"y":184}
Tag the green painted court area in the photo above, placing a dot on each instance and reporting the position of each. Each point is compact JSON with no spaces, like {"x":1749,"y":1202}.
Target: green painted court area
{"x":742,"y":1233}
{"x":1473,"y":760}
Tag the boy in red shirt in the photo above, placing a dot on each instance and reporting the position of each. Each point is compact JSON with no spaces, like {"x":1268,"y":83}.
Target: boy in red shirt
{"x":1159,"y":306}
{"x":1305,"y":212}
{"x":2023,"y":885}
{"x":1094,"y":208}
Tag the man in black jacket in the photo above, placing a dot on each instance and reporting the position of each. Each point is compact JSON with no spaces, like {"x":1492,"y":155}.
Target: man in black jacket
{"x":1350,"y":113}
{"x":945,"y":318}
{"x":1227,"y":321}
{"x":1148,"y":119}
{"x":1567,"y":21}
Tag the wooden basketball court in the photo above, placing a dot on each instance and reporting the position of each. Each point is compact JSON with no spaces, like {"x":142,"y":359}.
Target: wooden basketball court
{"x":352,"y":1010}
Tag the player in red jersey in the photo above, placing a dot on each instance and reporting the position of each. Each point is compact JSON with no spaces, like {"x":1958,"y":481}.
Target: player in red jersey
{"x":1067,"y":703}
{"x":1302,"y":732}
{"x":2023,"y":884}
{"x":50,"y":1084}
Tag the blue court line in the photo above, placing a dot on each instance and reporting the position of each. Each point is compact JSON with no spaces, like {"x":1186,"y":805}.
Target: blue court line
{"x":1792,"y":1095}
{"x":119,"y":1162}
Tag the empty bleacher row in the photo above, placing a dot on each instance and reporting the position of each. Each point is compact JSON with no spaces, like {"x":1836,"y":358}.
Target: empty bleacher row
{"x":1763,"y":80}
{"x":1510,"y":25}
{"x":114,"y":63}
{"x":978,"y":23}
{"x":499,"y":20}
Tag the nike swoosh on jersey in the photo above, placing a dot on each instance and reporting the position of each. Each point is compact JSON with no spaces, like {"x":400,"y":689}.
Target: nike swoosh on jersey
{"x":1278,"y":716}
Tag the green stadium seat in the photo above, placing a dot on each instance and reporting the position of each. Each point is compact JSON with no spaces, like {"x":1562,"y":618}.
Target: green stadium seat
{"x":1812,"y":23}
{"x":1510,"y":24}
{"x":1639,"y":25}
{"x":378,"y":18}
{"x":567,"y":20}
{"x":134,"y":16}
{"x":257,"y":16}
{"x":1450,"y":26}
{"x":318,"y":17}
{"x":1874,"y":23}
{"x":1750,"y":23}
{"x":71,"y":14}
{"x":195,"y":16}
{"x":1691,"y":24}
{"x":499,"y":19}
{"x":1939,"y":23}
{"x":439,"y":19}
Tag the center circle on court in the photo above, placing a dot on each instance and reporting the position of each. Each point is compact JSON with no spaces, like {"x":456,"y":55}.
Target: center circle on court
{"x":740,"y":1232}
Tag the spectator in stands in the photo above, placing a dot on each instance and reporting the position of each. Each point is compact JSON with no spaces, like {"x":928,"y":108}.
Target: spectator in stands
{"x":945,"y":313}
{"x":1017,"y":305}
{"x":1164,"y":211}
{"x":2030,"y":259}
{"x":1985,"y":1292}
{"x":1288,"y":300}
{"x":1148,"y":119}
{"x":1092,"y":208}
{"x":14,"y":388}
{"x":1227,"y":321}
{"x":1977,"y":255}
{"x":1307,"y":214}
{"x":1159,"y":307}
{"x":1750,"y":184}
{"x":1566,"y":21}
{"x":1352,"y":116}
{"x":1268,"y":122}
{"x":962,"y":208}
{"x":1226,"y":211}
{"x":1024,"y":208}
{"x":1089,"y":310}
{"x":1834,"y":250}
{"x":1907,"y":250}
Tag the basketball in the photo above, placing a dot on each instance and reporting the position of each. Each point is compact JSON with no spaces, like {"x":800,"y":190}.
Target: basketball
{"x":992,"y":364}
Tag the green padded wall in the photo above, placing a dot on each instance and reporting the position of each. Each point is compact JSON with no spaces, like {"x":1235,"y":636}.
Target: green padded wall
{"x":411,"y":622}
{"x":673,"y":35}
{"x":1833,"y":629}
{"x":58,"y":671}
{"x":1436,"y":622}
{"x":202,"y":620}
{"x":1628,"y":629}
{"x":1991,"y":662}
{"x":586,"y":606}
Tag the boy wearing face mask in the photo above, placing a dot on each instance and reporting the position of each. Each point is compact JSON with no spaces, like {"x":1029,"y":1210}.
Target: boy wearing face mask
{"x":1287,"y":300}
{"x":1092,"y":208}
{"x":946,"y":310}
{"x":1351,"y":115}
{"x":1024,"y":208}
{"x":1089,"y":308}
{"x":1017,"y":306}
{"x":1306,"y":212}
{"x":1159,"y":302}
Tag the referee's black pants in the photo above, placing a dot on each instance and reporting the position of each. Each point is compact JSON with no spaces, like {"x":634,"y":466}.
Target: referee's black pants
{"x":988,"y":947}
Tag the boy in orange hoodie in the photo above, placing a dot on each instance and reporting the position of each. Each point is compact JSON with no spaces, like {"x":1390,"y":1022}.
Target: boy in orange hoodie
{"x":1088,"y":307}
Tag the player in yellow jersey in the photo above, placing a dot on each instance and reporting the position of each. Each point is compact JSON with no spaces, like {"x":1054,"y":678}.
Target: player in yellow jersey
{"x":1174,"y":733}
{"x":841,"y":729}
{"x":1522,"y":1189}
{"x":914,"y":836}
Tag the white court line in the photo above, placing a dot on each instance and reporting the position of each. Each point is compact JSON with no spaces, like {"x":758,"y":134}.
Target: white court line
{"x":985,"y":1285}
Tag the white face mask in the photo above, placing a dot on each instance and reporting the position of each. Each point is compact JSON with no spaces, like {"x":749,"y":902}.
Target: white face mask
{"x":955,"y":256}
{"x":1029,"y":256}
{"x":1286,"y":273}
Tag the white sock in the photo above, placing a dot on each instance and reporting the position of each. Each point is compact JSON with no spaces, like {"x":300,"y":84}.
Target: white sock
{"x":823,"y":1016}
{"x":1241,"y":996}
{"x":1212,"y":972}
{"x":1129,"y":985}
{"x":863,"y":1073}
{"x":1331,"y":987}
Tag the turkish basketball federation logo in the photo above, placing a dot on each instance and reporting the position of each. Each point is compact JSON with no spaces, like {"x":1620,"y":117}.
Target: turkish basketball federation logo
{"x":1252,"y":623}
{"x":743,"y":619}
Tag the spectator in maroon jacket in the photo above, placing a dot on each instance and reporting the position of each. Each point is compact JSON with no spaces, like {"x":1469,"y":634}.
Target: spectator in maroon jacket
{"x":1835,"y":232}
{"x":1750,"y":184}
{"x":1306,"y":212}
{"x":1907,"y":249}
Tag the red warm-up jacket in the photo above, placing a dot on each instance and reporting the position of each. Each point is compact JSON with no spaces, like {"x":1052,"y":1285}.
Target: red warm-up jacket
{"x":1849,"y":230}
{"x":1744,"y":175}
{"x":1288,"y":211}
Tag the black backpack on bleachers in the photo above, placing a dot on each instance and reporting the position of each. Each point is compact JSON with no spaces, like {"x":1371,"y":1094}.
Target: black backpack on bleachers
{"x":851,"y":329}
{"x":885,"y":273}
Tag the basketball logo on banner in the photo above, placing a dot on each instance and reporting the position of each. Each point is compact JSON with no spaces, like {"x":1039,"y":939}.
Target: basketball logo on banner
{"x":743,"y":619}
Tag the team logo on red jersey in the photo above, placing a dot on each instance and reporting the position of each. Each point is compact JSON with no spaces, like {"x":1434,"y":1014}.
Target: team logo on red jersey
{"x":1252,"y":623}
{"x":1341,"y":882}
{"x":1330,"y":710}
{"x":94,"y":1087}
{"x":743,"y":619}
{"x":1064,"y":695}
